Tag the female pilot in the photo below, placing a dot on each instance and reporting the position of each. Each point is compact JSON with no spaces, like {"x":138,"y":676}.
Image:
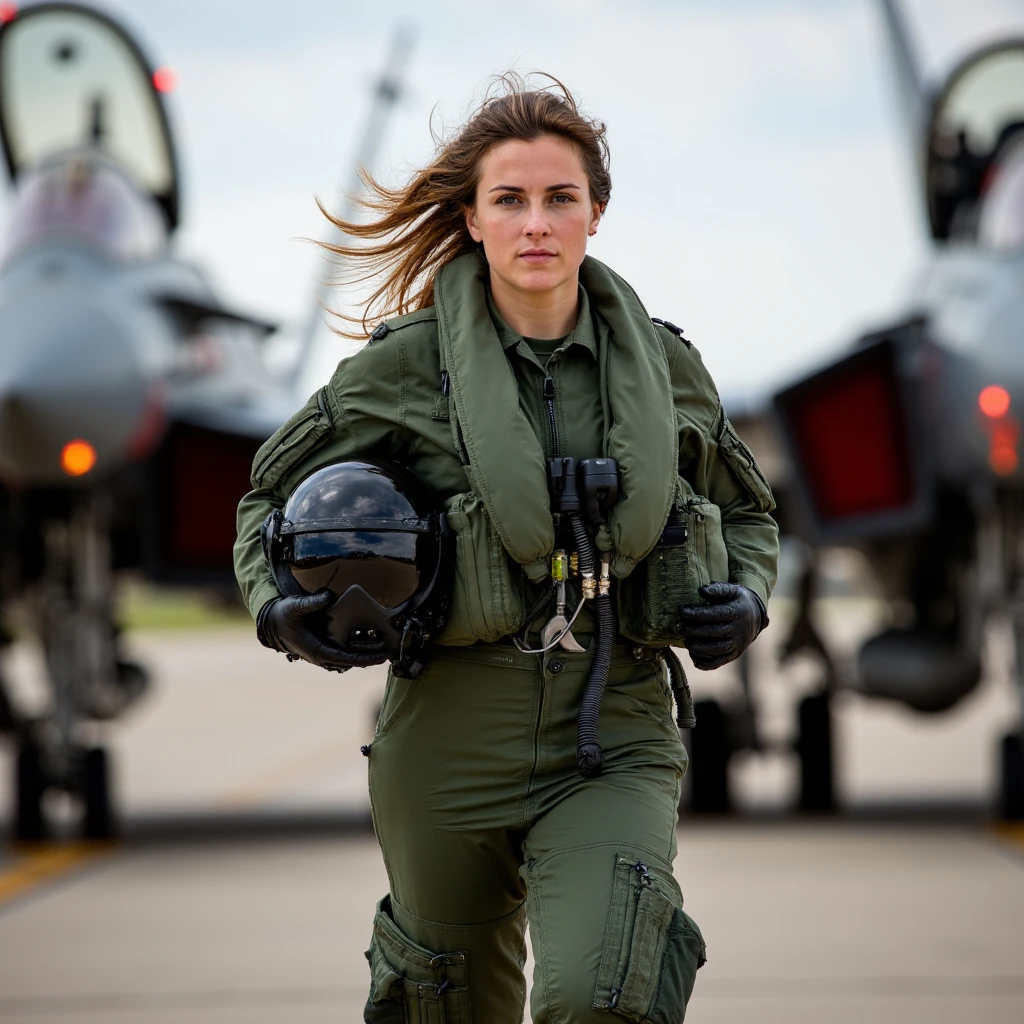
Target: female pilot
{"x":499,"y":345}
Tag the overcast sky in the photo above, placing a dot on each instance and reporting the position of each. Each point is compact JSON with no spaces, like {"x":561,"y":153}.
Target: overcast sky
{"x":762,"y":189}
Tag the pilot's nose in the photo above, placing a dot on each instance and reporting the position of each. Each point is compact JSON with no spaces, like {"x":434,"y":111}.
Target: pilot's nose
{"x":72,"y":390}
{"x":536,"y":224}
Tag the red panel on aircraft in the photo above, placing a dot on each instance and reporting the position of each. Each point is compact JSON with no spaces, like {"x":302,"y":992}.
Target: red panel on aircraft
{"x":850,"y":431}
{"x":209,"y":474}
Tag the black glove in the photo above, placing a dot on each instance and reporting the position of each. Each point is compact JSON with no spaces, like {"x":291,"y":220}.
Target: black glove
{"x":288,"y":624}
{"x":721,"y":630}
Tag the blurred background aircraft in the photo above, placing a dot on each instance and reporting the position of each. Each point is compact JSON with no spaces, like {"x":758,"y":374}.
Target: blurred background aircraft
{"x":908,"y":448}
{"x":131,"y":399}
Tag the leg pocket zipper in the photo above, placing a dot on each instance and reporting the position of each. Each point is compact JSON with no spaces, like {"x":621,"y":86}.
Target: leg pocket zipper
{"x":652,"y":949}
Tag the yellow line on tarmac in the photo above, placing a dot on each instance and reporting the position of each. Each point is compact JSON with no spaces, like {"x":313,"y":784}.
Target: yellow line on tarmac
{"x":1011,"y":831}
{"x":41,"y":864}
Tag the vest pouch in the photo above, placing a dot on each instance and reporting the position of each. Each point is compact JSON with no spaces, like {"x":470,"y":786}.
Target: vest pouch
{"x":487,"y":597}
{"x":690,"y":553}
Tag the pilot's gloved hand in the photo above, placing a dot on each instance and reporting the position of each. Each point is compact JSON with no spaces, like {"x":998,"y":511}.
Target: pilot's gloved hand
{"x":721,"y":630}
{"x":288,"y":624}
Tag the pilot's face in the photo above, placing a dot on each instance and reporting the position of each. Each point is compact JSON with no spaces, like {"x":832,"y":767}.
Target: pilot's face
{"x":533,"y":212}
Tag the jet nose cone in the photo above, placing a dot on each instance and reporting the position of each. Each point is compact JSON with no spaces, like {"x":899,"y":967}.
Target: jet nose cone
{"x":72,"y":392}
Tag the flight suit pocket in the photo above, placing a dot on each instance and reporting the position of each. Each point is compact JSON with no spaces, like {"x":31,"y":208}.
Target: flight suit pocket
{"x":306,"y":431}
{"x":487,"y":596}
{"x":409,"y":984}
{"x":652,"y":948}
{"x":690,"y":553}
{"x":741,"y":462}
{"x":397,"y":693}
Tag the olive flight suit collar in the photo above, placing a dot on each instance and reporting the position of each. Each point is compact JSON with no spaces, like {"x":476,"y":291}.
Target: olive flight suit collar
{"x":582,"y":334}
{"x":503,"y":457}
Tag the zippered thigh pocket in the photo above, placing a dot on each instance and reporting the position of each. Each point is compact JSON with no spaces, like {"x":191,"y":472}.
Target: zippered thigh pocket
{"x":652,"y":948}
{"x":410,"y":984}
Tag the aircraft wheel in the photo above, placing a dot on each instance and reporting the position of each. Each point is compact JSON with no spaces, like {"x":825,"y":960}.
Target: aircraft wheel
{"x":1011,"y":803}
{"x":814,"y":746}
{"x":29,"y":786}
{"x":709,"y":760}
{"x":98,"y":819}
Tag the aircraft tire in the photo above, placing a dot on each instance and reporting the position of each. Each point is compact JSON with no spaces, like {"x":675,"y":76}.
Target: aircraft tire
{"x":814,"y":747}
{"x":98,"y":817}
{"x":709,"y":760}
{"x":29,"y":786}
{"x":1011,"y":801}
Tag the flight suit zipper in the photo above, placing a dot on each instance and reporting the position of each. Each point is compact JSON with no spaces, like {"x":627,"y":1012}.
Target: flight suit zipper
{"x":549,"y":398}
{"x":643,"y":882}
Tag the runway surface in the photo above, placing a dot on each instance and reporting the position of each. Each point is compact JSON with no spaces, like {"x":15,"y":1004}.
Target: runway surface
{"x":244,"y":885}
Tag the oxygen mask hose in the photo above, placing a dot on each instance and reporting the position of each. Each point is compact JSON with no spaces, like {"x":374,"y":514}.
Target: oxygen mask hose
{"x":598,"y":480}
{"x":599,"y":484}
{"x":589,"y":756}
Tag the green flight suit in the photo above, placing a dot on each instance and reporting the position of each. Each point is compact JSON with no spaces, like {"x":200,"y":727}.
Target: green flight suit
{"x":482,"y":817}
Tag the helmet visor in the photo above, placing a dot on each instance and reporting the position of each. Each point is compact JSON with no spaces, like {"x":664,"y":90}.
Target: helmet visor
{"x":386,"y":564}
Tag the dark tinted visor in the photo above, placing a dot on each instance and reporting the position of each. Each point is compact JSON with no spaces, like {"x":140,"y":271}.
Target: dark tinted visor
{"x":384,"y":564}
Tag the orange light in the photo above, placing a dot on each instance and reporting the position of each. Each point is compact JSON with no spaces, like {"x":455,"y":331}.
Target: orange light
{"x":8,"y":12}
{"x":77,"y":457}
{"x":164,"y":79}
{"x":994,"y":401}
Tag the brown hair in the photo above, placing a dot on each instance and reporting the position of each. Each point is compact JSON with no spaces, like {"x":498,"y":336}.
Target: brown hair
{"x":420,"y":227}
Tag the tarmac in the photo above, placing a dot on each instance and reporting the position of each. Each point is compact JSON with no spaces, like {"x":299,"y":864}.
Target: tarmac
{"x":243,"y":886}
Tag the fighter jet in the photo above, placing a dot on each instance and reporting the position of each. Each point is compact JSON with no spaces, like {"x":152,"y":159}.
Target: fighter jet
{"x":132,"y":400}
{"x":908,"y":447}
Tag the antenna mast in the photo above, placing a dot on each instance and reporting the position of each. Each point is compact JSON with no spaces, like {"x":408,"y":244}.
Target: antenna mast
{"x":387,"y":91}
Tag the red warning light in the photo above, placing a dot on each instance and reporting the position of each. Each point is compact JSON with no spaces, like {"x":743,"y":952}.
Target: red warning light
{"x":994,"y":401}
{"x":164,"y":79}
{"x":1003,"y":456}
{"x":8,"y":12}
{"x":1004,"y":461}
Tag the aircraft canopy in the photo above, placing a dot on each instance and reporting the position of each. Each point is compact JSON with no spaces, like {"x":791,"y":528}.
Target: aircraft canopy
{"x":85,"y":197}
{"x":1001,"y":221}
{"x":72,"y":79}
{"x":975,"y":117}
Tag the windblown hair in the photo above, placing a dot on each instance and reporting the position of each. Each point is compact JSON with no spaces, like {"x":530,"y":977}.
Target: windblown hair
{"x":421,"y":226}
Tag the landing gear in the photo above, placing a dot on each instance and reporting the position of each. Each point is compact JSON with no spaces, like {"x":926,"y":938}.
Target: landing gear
{"x":814,"y":713}
{"x":29,"y":786}
{"x":1011,"y":750}
{"x":88,"y":679}
{"x":814,"y":748}
{"x":710,"y":749}
{"x":1011,"y":796}
{"x":89,"y":783}
{"x":97,"y":810}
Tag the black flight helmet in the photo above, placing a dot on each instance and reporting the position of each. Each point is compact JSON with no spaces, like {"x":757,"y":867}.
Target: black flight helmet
{"x":374,"y":535}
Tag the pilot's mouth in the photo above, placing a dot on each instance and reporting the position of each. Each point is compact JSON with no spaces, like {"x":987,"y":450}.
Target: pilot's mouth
{"x":537,"y":255}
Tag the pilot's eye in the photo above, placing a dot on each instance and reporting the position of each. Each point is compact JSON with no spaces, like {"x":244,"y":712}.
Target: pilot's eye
{"x":562,"y":198}
{"x":508,"y":200}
